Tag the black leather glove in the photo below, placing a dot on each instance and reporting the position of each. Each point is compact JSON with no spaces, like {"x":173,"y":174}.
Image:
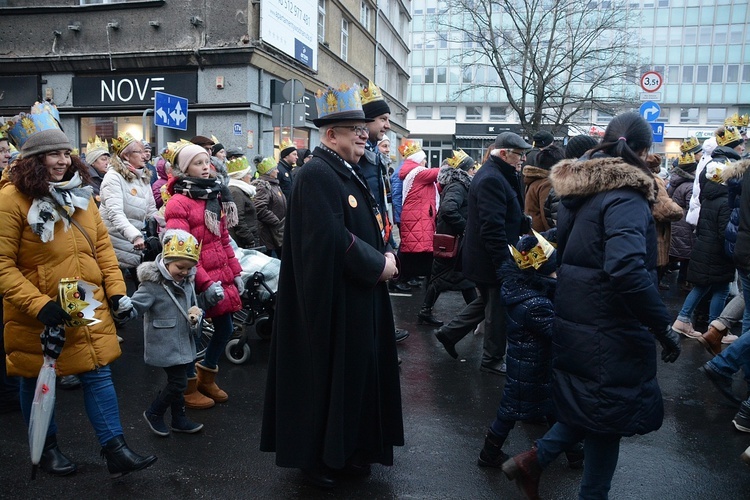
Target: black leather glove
{"x":53,"y":340}
{"x":670,"y":344}
{"x":52,"y":314}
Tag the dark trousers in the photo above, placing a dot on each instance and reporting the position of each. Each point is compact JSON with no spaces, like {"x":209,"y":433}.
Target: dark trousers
{"x":432,"y":294}
{"x":494,"y":324}
{"x":176,"y":383}
{"x":465,"y":321}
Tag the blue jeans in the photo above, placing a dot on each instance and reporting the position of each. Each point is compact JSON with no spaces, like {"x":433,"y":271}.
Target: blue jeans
{"x":223,"y":328}
{"x":745,"y":282}
{"x":735,"y":356}
{"x":99,"y":399}
{"x":601,"y":453}
{"x":718,"y":291}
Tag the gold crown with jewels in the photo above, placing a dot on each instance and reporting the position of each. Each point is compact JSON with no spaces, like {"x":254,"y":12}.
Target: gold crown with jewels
{"x":182,"y":247}
{"x":369,"y":94}
{"x":71,"y":293}
{"x":173,"y":149}
{"x":686,"y":159}
{"x":408,"y":148}
{"x":730,"y":135}
{"x":457,"y":158}
{"x":690,"y":145}
{"x":737,"y":121}
{"x":286,"y":143}
{"x":122,"y":141}
{"x":534,"y":257}
{"x":96,"y":144}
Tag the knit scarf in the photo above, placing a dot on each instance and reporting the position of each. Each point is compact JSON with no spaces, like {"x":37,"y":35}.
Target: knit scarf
{"x":69,"y":195}
{"x":217,"y":198}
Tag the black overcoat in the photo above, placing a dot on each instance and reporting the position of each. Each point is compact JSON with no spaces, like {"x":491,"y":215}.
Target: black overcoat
{"x":333,"y":381}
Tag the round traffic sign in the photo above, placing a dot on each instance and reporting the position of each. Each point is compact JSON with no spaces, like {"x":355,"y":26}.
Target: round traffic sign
{"x":651,"y":81}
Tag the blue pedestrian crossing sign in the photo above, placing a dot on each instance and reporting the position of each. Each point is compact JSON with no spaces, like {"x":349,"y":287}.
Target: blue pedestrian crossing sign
{"x":650,"y":111}
{"x":170,"y":111}
{"x":658,"y":130}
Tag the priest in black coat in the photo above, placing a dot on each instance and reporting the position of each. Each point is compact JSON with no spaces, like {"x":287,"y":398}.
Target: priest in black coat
{"x":333,"y":400}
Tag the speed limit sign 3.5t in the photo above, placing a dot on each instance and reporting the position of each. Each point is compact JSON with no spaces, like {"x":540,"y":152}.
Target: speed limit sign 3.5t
{"x":651,"y":81}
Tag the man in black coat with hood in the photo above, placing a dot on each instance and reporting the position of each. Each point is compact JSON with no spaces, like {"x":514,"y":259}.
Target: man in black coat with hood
{"x":333,"y":397}
{"x":495,"y":220}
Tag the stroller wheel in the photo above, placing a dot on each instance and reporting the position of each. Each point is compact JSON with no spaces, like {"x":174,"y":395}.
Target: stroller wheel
{"x":202,"y":343}
{"x":263,"y":327}
{"x":235,"y":353}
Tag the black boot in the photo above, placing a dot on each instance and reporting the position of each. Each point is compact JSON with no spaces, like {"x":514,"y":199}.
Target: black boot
{"x":155,"y":417}
{"x":425,"y":317}
{"x":122,"y":460}
{"x":180,"y":421}
{"x":53,"y":461}
{"x":492,"y":455}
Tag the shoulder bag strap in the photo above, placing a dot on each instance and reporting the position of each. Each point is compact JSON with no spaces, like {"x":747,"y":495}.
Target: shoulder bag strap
{"x":176,"y":302}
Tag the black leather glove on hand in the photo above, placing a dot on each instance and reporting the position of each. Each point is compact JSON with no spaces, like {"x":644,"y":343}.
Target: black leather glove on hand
{"x":670,"y":344}
{"x":52,"y":314}
{"x":53,"y":340}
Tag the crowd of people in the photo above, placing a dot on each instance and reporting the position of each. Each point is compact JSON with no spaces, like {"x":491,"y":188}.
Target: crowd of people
{"x":527,"y":235}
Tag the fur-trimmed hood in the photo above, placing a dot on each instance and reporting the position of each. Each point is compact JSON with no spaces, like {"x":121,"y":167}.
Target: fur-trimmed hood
{"x":121,"y":168}
{"x":530,"y":173}
{"x":736,"y":170}
{"x":449,"y":175}
{"x":155,"y":272}
{"x":597,"y":175}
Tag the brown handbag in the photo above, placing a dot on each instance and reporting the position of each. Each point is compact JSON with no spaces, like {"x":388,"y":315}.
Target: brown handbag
{"x":445,"y":246}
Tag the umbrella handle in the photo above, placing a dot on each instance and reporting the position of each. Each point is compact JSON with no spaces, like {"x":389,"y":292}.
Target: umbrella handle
{"x":34,"y":468}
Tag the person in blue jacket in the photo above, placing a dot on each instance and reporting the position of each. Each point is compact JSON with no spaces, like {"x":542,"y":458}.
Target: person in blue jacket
{"x":604,"y":353}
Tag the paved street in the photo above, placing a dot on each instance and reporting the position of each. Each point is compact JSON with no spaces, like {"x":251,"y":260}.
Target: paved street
{"x":447,"y":406}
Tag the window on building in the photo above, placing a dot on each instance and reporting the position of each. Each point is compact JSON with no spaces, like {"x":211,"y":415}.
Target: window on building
{"x":429,"y":75}
{"x":735,"y":33}
{"x":660,"y":36}
{"x":417,"y":40}
{"x":701,"y":75}
{"x":663,"y":115}
{"x":675,"y":35}
{"x":604,"y":116}
{"x":448,"y":112}
{"x":498,"y":112}
{"x":689,"y":115}
{"x":442,"y":75}
{"x":344,"y":39}
{"x":663,"y":3}
{"x":716,"y":115}
{"x":321,"y":21}
{"x":364,"y":14}
{"x":424,"y":112}
{"x":418,"y":6}
{"x":468,"y":74}
{"x":690,"y":35}
{"x":717,"y":73}
{"x":673,"y":75}
{"x":720,"y":34}
{"x":687,"y":74}
{"x":473,"y":113}
{"x":705,"y":35}
{"x":746,"y":73}
{"x":733,"y":73}
{"x":417,"y":75}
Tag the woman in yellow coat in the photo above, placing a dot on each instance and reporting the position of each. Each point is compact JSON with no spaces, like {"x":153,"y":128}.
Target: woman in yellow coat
{"x":39,"y":246}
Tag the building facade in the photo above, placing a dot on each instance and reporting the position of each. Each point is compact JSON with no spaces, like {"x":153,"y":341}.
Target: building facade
{"x":102,"y":62}
{"x":700,"y":47}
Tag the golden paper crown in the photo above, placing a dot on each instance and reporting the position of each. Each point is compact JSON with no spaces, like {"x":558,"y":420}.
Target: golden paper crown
{"x":730,"y":135}
{"x":457,"y":158}
{"x":341,"y":103}
{"x":371,"y":93}
{"x":715,"y":170}
{"x":237,"y":164}
{"x":182,"y":246}
{"x":70,"y":297}
{"x":286,"y":143}
{"x":173,"y":148}
{"x":534,"y":257}
{"x":737,"y":121}
{"x":687,"y":159}
{"x":120,"y":142}
{"x":216,"y":141}
{"x":408,"y":148}
{"x":690,"y":145}
{"x":96,"y":144}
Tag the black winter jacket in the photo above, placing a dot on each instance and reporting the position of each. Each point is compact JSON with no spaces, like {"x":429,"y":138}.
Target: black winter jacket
{"x":683,"y":237}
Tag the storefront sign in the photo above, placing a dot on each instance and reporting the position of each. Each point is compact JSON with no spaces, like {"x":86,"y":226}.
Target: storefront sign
{"x":18,"y":91}
{"x":125,"y":90}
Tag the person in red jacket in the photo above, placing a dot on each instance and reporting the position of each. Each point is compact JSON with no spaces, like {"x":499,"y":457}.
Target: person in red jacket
{"x":202,"y":206}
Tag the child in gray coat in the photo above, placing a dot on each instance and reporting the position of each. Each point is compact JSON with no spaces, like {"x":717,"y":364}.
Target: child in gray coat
{"x":166,"y":298}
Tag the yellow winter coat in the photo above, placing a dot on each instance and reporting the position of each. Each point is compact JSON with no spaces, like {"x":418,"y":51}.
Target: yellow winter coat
{"x":30,"y":272}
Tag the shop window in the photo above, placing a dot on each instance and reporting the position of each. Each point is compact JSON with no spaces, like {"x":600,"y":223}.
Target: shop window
{"x":716,"y":115}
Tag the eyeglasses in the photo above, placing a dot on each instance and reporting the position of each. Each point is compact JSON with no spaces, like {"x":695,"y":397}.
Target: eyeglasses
{"x":357,"y":129}
{"x":519,"y":153}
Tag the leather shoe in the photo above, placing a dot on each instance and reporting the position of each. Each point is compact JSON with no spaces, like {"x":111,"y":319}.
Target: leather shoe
{"x":319,"y":477}
{"x":721,"y":382}
{"x":401,"y":334}
{"x":415,"y":282}
{"x":496,"y":368}
{"x":53,"y":461}
{"x":449,"y":345}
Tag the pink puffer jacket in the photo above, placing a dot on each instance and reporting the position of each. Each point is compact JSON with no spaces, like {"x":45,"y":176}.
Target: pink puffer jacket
{"x":217,"y":261}
{"x":419,"y":208}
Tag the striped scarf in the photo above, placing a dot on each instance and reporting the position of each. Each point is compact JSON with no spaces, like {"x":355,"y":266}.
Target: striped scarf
{"x":217,"y":198}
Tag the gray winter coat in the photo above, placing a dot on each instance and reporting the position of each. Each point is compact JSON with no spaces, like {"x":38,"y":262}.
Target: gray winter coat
{"x":167,"y":337}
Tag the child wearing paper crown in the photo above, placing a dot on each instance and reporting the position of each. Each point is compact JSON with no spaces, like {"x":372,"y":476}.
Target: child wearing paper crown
{"x":527,"y":395}
{"x":166,"y":298}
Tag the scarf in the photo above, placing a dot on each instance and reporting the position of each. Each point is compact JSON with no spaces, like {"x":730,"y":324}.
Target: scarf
{"x":242,"y":186}
{"x":212,"y":191}
{"x":67,"y":195}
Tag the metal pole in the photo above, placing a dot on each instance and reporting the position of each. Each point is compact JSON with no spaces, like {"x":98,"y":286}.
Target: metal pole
{"x":145,"y":122}
{"x":291,"y":114}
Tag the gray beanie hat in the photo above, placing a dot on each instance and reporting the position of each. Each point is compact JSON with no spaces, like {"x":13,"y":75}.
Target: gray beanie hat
{"x":44,"y":142}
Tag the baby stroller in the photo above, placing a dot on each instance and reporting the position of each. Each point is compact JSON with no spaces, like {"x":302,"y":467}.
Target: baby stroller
{"x":260,"y":274}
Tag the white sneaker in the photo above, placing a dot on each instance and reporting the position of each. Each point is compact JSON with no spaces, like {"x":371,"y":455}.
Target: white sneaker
{"x":686,"y":329}
{"x":728,"y":338}
{"x":746,"y":456}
